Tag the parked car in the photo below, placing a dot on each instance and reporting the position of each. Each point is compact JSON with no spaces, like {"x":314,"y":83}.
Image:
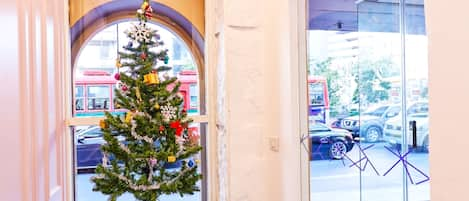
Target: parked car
{"x":88,"y":148}
{"x":393,"y":130}
{"x":369,"y":125}
{"x":330,"y":142}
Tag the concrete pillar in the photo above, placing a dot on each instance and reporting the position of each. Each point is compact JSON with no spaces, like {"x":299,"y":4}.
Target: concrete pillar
{"x":252,"y":45}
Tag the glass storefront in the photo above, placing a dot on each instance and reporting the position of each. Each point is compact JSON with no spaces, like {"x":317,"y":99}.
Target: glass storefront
{"x":371,"y":143}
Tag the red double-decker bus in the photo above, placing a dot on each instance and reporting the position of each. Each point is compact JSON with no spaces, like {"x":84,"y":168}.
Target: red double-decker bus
{"x":318,"y":99}
{"x":94,"y":93}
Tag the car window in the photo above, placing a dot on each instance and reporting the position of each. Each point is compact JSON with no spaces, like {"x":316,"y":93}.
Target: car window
{"x":94,"y":132}
{"x":377,"y":112}
{"x":418,"y":108}
{"x":318,"y":127}
{"x":393,"y":111}
{"x":316,"y":94}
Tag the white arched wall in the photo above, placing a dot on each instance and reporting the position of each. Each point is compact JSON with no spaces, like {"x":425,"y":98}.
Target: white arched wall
{"x":33,"y":54}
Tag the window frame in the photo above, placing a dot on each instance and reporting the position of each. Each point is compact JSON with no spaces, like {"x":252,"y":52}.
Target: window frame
{"x":86,"y":35}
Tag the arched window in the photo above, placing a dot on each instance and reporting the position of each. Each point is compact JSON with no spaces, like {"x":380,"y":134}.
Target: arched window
{"x":94,"y":50}
{"x":94,"y":69}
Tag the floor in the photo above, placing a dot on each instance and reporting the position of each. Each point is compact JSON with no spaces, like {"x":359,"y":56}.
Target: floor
{"x":372,"y":179}
{"x":339,"y":180}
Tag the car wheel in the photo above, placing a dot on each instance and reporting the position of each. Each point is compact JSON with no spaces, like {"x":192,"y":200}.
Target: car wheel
{"x":373,"y":134}
{"x":338,"y":150}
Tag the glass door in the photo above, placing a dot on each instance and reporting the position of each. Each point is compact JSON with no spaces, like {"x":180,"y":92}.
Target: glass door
{"x":379,"y":76}
{"x":368,"y":100}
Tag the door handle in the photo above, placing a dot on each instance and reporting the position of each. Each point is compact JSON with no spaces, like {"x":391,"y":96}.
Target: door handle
{"x":413,"y":127}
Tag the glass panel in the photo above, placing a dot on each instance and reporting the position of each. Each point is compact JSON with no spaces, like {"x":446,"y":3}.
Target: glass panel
{"x":79,"y":98}
{"x":416,"y":52}
{"x":356,"y":54}
{"x":95,"y":68}
{"x":379,"y":80}
{"x":181,"y":60}
{"x":98,"y":97}
{"x":316,"y":94}
{"x":332,"y":57}
{"x":87,"y":142}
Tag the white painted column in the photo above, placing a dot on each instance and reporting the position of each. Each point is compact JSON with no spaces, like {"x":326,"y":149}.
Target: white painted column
{"x":33,"y":52}
{"x":256,"y":59}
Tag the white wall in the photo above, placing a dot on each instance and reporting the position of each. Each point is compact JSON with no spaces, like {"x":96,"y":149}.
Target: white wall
{"x":448,"y":34}
{"x":252,"y":45}
{"x":33,"y":52}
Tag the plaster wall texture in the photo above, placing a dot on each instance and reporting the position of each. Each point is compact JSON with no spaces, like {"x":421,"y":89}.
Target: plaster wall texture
{"x":256,"y":99}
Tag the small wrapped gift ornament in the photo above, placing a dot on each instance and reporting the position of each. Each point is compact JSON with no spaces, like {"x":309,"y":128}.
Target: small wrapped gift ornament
{"x":171,"y":159}
{"x":102,"y":124}
{"x":151,"y":78}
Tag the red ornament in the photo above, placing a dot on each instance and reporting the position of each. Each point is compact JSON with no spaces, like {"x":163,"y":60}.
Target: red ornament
{"x":125,"y":88}
{"x":148,"y":14}
{"x":143,"y":56}
{"x":161,"y":128}
{"x":117,"y":76}
{"x":148,"y":11}
{"x":177,"y":125}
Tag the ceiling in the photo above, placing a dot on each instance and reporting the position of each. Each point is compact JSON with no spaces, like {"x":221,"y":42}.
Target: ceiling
{"x":365,"y":15}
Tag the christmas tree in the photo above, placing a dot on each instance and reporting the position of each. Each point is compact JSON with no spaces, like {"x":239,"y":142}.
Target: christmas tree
{"x":155,"y":126}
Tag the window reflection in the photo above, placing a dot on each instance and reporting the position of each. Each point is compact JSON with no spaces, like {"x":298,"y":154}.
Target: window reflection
{"x":79,"y":98}
{"x":316,"y":93}
{"x":98,"y":97}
